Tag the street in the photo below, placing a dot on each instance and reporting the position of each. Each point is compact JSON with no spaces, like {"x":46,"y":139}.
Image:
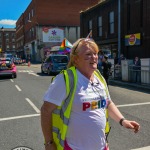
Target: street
{"x":21,"y":100}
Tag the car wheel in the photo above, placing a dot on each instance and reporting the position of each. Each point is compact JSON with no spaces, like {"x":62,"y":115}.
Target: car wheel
{"x":15,"y":75}
{"x":12,"y":76}
{"x":42,"y":70}
{"x":49,"y":71}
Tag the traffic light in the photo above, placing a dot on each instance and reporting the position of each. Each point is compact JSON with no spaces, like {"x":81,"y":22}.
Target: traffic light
{"x":0,"y":50}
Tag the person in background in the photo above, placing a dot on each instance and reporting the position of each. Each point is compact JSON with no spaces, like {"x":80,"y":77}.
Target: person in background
{"x":121,"y":58}
{"x":100,"y":58}
{"x":106,"y":68}
{"x":115,"y":58}
{"x":137,"y":70}
{"x":84,"y":128}
{"x":29,"y":62}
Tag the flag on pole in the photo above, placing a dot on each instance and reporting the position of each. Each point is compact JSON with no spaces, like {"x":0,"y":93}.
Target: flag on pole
{"x":89,"y":36}
{"x":65,"y":46}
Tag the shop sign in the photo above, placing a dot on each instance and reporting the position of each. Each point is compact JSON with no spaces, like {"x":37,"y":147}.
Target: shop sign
{"x":132,"y":39}
{"x":53,"y":34}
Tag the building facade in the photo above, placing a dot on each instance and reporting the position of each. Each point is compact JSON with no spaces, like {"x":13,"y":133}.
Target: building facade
{"x":42,"y":16}
{"x":119,"y":27}
{"x":7,"y":41}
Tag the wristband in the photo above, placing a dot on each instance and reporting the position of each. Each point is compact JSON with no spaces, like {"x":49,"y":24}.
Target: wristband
{"x":121,"y":120}
{"x":48,"y":143}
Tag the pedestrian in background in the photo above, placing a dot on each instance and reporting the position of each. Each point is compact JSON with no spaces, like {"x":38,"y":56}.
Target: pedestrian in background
{"x":120,"y":59}
{"x":100,"y":58}
{"x":29,"y":62}
{"x":106,"y":68}
{"x":137,"y":70}
{"x":81,"y":112}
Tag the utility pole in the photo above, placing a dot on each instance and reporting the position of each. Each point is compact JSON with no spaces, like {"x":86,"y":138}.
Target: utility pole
{"x":119,"y":28}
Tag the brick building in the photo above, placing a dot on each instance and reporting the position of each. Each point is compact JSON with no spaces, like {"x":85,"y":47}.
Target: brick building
{"x":7,"y":40}
{"x":45,"y":14}
{"x":134,"y":34}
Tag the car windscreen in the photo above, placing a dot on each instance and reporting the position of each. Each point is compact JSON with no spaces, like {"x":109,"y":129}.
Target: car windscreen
{"x":60,"y":59}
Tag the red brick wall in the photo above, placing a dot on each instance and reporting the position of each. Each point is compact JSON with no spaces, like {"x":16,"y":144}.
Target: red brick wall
{"x":61,"y":13}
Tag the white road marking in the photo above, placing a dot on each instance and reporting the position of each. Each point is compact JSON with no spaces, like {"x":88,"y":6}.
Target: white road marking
{"x":142,"y":148}
{"x":34,"y":107}
{"x":11,"y":80}
{"x":19,"y":117}
{"x":135,"y":104}
{"x":33,"y":74}
{"x":29,"y":72}
{"x":18,"y":88}
{"x":25,"y":71}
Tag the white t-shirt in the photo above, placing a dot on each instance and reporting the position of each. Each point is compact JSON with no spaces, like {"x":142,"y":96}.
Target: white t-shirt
{"x":86,"y":129}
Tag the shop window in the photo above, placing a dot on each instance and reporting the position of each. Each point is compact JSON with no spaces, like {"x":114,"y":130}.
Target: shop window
{"x":111,"y":22}
{"x":90,"y":25}
{"x":100,"y":26}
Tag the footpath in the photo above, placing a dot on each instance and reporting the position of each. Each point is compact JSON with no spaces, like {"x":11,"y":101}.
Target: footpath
{"x":114,"y":82}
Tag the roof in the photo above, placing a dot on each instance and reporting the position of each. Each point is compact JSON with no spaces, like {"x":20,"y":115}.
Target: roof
{"x":101,"y":2}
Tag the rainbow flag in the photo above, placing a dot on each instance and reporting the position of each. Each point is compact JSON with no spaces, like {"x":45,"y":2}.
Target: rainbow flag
{"x":65,"y":47}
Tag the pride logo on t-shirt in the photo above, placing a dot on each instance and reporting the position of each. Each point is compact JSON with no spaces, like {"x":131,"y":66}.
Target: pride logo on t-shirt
{"x":94,"y":105}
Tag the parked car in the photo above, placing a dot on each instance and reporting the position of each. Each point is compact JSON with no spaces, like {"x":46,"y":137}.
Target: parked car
{"x":17,"y":60}
{"x":54,"y":64}
{"x":7,"y":68}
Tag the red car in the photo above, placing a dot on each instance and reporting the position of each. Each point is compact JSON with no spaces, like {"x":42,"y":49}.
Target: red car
{"x":7,"y":68}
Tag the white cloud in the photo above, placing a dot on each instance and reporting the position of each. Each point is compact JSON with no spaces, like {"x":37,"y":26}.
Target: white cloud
{"x":7,"y":22}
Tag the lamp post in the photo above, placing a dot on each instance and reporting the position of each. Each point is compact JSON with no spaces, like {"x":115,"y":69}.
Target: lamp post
{"x":119,"y":28}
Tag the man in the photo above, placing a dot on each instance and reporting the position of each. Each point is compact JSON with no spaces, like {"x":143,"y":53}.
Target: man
{"x":137,"y":70}
{"x":106,"y":68}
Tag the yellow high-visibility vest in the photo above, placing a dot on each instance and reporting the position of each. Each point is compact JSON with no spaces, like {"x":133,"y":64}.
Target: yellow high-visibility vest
{"x":60,"y":116}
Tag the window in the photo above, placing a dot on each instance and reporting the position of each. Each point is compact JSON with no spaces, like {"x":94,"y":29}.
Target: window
{"x":13,"y":34}
{"x":13,"y":40}
{"x":32,"y":12}
{"x":111,"y":22}
{"x":7,"y":40}
{"x":90,"y":25}
{"x":100,"y":26}
{"x":29,"y":17}
{"x":6,"y":35}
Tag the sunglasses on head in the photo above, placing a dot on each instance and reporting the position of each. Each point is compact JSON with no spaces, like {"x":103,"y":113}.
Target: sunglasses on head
{"x":85,"y":39}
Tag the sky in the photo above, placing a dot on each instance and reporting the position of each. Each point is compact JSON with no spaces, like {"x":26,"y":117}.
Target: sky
{"x":10,"y":11}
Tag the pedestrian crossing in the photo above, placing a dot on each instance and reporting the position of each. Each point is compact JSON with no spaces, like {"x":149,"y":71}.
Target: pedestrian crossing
{"x":30,"y":72}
